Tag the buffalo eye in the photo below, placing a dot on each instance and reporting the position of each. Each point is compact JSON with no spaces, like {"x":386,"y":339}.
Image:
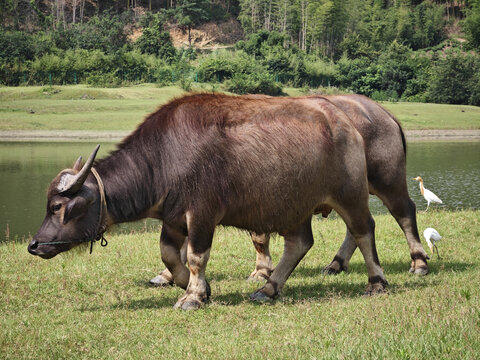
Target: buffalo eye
{"x":56,"y":207}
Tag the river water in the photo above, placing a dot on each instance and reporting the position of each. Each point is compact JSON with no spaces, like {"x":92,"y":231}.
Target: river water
{"x":449,"y":169}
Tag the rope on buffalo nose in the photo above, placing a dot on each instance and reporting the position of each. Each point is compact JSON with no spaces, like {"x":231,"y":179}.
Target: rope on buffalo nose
{"x":103,"y":213}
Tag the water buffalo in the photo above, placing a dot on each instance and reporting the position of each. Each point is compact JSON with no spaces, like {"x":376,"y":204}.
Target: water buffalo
{"x":385,"y":151}
{"x":198,"y":162}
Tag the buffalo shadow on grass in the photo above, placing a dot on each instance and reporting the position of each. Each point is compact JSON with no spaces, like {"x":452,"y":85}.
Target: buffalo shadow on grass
{"x":321,"y":291}
{"x":151,"y":302}
{"x":390,"y":267}
{"x":318,"y":292}
{"x":293,"y":293}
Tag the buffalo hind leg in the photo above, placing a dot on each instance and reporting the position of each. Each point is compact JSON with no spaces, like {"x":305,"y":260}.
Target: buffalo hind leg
{"x":361,"y":226}
{"x":165,"y":278}
{"x":342,"y":258}
{"x":263,"y":264}
{"x":297,"y":244}
{"x":403,"y":210}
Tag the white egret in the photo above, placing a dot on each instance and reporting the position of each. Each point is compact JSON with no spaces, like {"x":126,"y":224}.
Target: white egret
{"x":431,"y":237}
{"x":427,"y":194}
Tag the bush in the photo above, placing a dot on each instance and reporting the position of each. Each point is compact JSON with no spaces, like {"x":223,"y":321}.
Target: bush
{"x":381,"y":95}
{"x":108,"y":80}
{"x":164,"y":76}
{"x":224,"y":65}
{"x":471,"y":25}
{"x":394,"y":69}
{"x":258,"y":83}
{"x":103,"y":33}
{"x":358,"y":75}
{"x":319,"y":73}
{"x":454,"y":78}
{"x":16,"y":46}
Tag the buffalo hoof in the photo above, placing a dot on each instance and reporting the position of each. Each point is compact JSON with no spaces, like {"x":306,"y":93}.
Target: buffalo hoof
{"x":327,"y":270}
{"x":188,"y":305}
{"x":260,"y":275}
{"x":333,"y":269}
{"x":419,"y":271}
{"x":193,"y":301}
{"x":419,"y":266}
{"x":161,"y":281}
{"x":376,"y":288}
{"x":265,"y":293}
{"x":260,"y":297}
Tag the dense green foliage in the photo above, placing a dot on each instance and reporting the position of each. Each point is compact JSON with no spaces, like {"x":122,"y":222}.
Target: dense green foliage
{"x":385,"y":49}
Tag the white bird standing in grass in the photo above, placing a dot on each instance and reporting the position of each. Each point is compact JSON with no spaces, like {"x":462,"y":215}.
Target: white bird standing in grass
{"x":431,"y":237}
{"x":427,"y":194}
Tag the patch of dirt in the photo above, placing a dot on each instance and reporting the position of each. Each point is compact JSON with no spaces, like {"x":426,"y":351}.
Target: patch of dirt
{"x":210,"y":35}
{"x":134,"y":34}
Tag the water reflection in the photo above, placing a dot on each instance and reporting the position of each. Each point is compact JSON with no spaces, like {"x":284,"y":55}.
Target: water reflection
{"x":450,"y":169}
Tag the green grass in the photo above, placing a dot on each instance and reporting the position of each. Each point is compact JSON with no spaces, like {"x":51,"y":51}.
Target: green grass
{"x":99,"y":306}
{"x":78,"y":107}
{"x":414,"y":116}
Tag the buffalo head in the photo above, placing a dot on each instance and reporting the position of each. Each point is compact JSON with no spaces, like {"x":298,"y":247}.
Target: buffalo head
{"x":73,"y":211}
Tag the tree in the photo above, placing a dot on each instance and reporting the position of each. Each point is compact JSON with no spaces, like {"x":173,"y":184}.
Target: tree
{"x":154,"y":40}
{"x":471,"y":24}
{"x":454,"y":77}
{"x":190,"y":13}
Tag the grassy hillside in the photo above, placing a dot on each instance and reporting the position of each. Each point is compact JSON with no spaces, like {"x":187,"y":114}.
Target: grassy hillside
{"x":100,"y":306}
{"x":83,"y":108}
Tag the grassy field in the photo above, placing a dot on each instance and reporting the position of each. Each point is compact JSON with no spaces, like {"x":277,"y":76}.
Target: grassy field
{"x":100,"y":306}
{"x":83,"y":108}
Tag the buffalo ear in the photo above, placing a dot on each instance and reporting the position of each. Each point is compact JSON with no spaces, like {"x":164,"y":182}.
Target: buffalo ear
{"x":75,"y":208}
{"x":78,"y":165}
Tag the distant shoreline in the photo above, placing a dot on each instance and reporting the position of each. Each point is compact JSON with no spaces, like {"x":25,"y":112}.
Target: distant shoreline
{"x":116,"y":136}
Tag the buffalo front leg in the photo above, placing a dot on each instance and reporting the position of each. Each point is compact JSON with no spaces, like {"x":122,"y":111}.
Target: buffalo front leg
{"x":342,"y":258}
{"x":263,"y":263}
{"x":198,"y":291}
{"x":171,"y":243}
{"x":165,"y":278}
{"x":297,"y":244}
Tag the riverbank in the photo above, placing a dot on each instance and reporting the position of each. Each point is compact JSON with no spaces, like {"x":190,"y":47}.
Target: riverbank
{"x":116,"y":136}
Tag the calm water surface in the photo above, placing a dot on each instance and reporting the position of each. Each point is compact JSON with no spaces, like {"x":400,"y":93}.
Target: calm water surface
{"x":449,"y":169}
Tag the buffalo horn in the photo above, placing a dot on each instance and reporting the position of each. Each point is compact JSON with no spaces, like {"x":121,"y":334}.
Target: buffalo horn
{"x":74,"y":182}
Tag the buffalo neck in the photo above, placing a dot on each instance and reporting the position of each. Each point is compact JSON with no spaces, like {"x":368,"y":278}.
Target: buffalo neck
{"x":132,"y":186}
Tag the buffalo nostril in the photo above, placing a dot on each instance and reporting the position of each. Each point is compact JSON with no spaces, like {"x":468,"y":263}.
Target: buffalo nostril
{"x":33,"y":244}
